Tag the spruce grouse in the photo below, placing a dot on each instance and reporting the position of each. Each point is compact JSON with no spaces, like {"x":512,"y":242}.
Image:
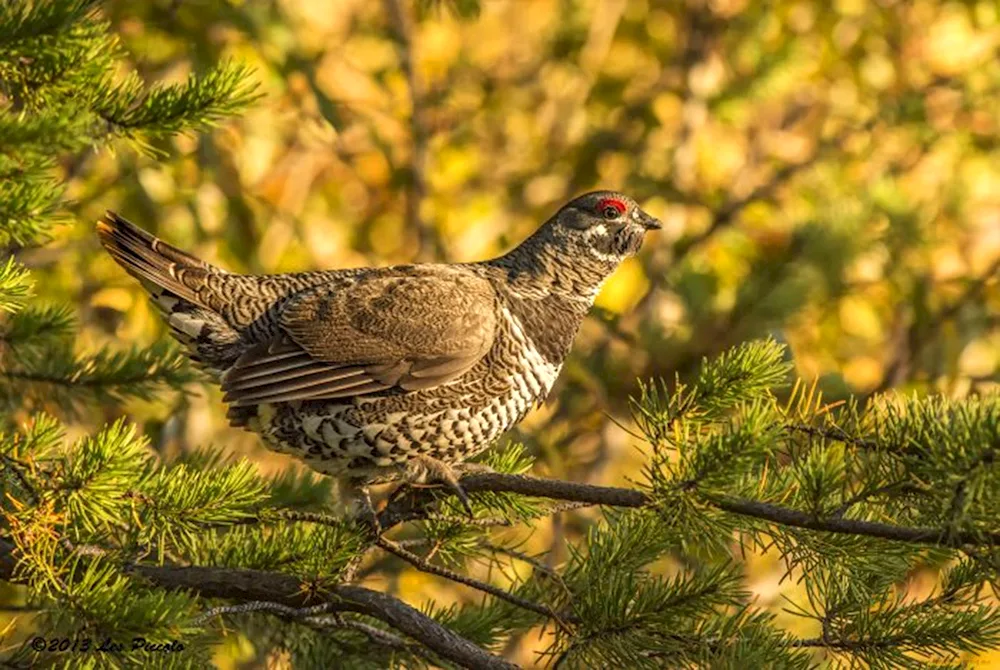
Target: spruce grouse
{"x":376,"y":374}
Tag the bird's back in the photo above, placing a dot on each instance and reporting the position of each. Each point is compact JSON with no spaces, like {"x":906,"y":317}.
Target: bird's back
{"x":219,"y":315}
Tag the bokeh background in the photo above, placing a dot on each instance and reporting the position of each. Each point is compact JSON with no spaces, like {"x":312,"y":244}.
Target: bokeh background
{"x":828,"y":173}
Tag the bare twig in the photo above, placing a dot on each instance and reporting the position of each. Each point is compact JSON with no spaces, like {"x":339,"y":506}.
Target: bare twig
{"x":283,"y":611}
{"x":530,"y":560}
{"x":867,"y":494}
{"x":831,"y":433}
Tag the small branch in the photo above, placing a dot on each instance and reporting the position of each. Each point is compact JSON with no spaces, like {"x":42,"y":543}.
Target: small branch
{"x":484,"y":522}
{"x":317,"y":617}
{"x":15,"y":466}
{"x":545,"y":570}
{"x":854,"y":645}
{"x":832,"y":433}
{"x":256,"y":585}
{"x":414,"y":506}
{"x":425,"y":566}
{"x":488,"y":521}
{"x":916,"y":341}
{"x":71,"y":382}
{"x":728,"y":213}
{"x":521,"y":556}
{"x":379,"y":636}
{"x":791,"y":517}
{"x":284,"y":611}
{"x":867,"y":494}
{"x":310,"y":517}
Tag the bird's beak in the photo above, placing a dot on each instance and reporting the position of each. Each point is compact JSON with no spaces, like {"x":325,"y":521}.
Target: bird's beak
{"x":646,"y":221}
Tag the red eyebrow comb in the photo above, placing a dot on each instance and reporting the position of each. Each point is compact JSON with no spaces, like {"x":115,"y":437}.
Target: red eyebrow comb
{"x":612,"y":202}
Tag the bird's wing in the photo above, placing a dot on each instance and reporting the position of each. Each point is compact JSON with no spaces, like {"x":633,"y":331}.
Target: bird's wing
{"x":403,"y":330}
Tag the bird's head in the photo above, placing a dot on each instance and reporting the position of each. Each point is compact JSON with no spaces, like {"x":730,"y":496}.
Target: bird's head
{"x":576,"y":250}
{"x":602,"y":226}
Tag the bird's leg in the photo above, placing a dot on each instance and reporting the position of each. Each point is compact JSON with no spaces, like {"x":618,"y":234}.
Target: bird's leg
{"x":423,"y":469}
{"x":357,"y":499}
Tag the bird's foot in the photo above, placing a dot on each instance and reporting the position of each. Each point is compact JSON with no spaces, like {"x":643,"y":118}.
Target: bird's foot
{"x":425,"y":470}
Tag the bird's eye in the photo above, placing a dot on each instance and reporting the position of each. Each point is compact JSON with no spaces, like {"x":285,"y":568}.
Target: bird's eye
{"x":610,"y":208}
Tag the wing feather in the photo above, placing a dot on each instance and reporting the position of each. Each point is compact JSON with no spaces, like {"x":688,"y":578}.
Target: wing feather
{"x":405,"y":329}
{"x":334,"y":389}
{"x":239,"y":376}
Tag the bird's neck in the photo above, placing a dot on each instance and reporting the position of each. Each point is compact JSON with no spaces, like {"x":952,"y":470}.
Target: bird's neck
{"x":539,"y":267}
{"x":547,"y":294}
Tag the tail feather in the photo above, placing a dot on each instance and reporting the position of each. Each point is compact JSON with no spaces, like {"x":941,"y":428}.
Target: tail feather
{"x":157,"y":264}
{"x":173,"y":279}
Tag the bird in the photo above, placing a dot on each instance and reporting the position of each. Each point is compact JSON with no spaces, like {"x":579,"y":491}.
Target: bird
{"x":401,"y":373}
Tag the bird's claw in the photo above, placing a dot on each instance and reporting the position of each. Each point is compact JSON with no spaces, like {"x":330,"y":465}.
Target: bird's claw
{"x":425,"y":469}
{"x":464,"y":497}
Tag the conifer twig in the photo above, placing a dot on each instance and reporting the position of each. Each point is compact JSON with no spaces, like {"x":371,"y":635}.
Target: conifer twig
{"x":786,"y":516}
{"x":426,"y":566}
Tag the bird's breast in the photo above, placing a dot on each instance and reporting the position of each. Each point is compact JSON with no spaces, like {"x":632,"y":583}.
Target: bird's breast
{"x":531,"y":373}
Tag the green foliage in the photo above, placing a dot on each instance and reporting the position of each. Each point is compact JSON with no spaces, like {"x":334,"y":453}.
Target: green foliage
{"x":747,"y":371}
{"x":15,"y":286}
{"x":121,"y":608}
{"x":630,"y":617}
{"x":647,"y":588}
{"x":136,"y":112}
{"x":48,"y":374}
{"x":96,"y":475}
{"x":77,"y":511}
{"x":60,"y":94}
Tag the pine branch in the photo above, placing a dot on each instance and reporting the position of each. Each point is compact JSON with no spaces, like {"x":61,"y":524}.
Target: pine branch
{"x":34,"y":326}
{"x":56,"y":375}
{"x":831,"y":433}
{"x":133,"y":111}
{"x":317,"y":617}
{"x":415,"y":506}
{"x":940,"y":537}
{"x":34,"y":20}
{"x":252,"y":585}
{"x":255,"y":586}
{"x":15,"y":286}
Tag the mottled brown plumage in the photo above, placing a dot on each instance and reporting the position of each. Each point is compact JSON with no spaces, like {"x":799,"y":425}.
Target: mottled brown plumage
{"x":365,"y":374}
